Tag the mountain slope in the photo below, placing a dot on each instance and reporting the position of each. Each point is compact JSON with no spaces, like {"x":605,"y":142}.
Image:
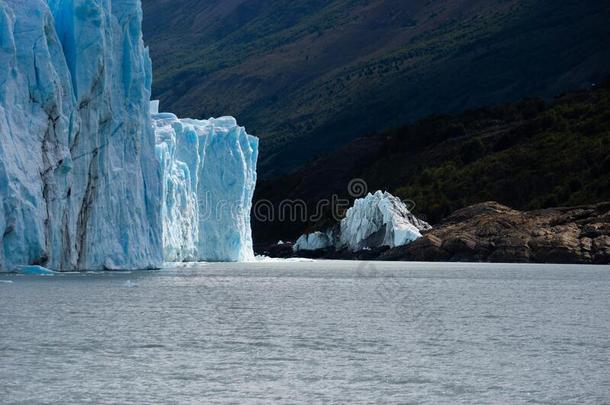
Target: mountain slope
{"x":306,"y":76}
{"x":527,"y":155}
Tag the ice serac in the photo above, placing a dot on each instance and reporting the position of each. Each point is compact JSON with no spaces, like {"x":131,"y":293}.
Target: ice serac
{"x":374,"y":221}
{"x":380,"y":219}
{"x":209,"y":175}
{"x":79,"y":182}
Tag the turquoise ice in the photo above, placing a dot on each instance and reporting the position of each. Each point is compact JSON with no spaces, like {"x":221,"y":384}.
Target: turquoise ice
{"x":80,"y":185}
{"x":209,"y":175}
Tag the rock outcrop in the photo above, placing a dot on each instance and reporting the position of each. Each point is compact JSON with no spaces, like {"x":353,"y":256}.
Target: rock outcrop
{"x":492,"y":232}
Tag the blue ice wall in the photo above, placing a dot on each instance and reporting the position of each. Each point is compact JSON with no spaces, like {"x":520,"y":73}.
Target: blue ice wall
{"x":80,"y":186}
{"x":209,"y":176}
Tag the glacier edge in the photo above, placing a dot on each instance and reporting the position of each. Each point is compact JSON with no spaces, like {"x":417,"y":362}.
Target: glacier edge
{"x":81,"y":185}
{"x":209,"y":176}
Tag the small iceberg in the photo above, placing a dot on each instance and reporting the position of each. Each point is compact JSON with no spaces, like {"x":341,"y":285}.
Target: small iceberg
{"x":314,"y":241}
{"x":374,"y":221}
{"x":35,"y":271}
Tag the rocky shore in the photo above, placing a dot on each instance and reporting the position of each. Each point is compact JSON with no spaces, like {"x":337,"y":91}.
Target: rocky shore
{"x":491,"y":232}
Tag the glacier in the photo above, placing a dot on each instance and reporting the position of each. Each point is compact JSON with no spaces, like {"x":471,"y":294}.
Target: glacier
{"x":81,"y":185}
{"x":209,"y":176}
{"x":377,"y":220}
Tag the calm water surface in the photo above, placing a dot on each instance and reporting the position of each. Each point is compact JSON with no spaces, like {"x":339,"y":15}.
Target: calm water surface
{"x":309,"y":332}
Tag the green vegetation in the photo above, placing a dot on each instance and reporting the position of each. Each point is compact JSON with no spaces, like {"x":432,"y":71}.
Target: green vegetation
{"x":526,"y":155}
{"x":308,"y":76}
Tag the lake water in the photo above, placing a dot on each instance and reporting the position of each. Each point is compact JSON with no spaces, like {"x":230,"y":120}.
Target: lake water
{"x":309,"y":332}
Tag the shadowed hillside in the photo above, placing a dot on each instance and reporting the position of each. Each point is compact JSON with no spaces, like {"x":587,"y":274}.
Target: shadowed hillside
{"x":527,"y":155}
{"x":309,"y":75}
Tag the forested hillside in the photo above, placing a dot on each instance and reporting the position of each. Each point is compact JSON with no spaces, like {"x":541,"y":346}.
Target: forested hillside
{"x":526,"y":155}
{"x":307,"y":76}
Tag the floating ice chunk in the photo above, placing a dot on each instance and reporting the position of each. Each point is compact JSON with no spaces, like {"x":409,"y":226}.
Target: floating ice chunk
{"x":35,"y":271}
{"x":314,"y":241}
{"x":267,"y":259}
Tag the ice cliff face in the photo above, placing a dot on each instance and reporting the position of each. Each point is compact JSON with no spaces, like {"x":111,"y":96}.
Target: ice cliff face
{"x":209,"y":175}
{"x":79,"y":183}
{"x":376,"y":220}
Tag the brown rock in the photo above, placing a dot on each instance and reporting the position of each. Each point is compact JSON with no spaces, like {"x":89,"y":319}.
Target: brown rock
{"x":600,"y":250}
{"x":427,"y":248}
{"x":496,"y":233}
